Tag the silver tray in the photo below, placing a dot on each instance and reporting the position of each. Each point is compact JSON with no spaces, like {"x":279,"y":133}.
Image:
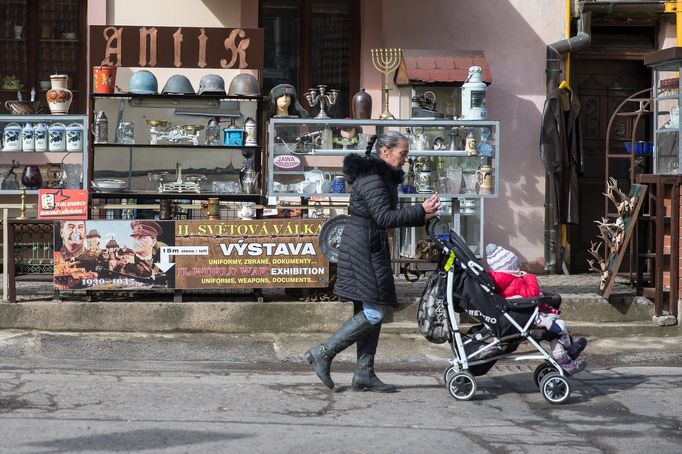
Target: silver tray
{"x":108,"y":184}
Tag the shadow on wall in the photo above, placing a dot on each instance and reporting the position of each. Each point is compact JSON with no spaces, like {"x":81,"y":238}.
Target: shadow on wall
{"x":224,"y":11}
{"x":514,"y":37}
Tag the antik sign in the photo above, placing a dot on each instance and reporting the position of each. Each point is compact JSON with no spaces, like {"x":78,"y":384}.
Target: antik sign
{"x":179,"y":47}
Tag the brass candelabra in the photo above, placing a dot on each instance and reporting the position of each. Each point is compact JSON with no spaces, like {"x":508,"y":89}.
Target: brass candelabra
{"x":386,"y":61}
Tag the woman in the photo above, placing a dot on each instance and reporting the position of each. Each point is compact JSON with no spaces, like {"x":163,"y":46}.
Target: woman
{"x":364,"y":272}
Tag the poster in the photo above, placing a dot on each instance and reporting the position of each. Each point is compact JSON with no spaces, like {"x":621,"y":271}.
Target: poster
{"x":112,"y":255}
{"x":62,"y":204}
{"x":249,"y":254}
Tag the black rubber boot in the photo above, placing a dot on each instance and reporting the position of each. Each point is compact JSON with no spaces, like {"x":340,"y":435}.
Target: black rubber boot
{"x":321,"y":356}
{"x":364,"y":378}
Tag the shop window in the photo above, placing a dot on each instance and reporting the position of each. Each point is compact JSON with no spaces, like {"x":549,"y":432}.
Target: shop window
{"x":37,"y":39}
{"x":310,"y":43}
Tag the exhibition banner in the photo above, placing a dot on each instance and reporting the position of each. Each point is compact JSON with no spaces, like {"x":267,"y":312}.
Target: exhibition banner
{"x":142,"y":254}
{"x":249,"y":254}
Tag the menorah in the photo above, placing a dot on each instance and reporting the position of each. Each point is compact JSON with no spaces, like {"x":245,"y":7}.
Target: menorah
{"x":322,"y":98}
{"x":386,"y":61}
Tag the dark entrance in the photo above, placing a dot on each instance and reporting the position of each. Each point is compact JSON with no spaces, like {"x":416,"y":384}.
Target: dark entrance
{"x":603,"y":76}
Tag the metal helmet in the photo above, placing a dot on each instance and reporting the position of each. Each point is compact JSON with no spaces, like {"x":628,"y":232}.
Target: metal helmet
{"x":211,"y":84}
{"x":244,"y":85}
{"x":143,"y":83}
{"x":178,"y":85}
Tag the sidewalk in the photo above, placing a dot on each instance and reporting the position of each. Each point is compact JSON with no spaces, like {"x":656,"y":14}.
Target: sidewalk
{"x":282,"y":312}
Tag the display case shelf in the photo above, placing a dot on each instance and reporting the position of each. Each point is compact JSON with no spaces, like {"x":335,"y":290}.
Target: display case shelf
{"x":46,"y":158}
{"x":176,"y":145}
{"x":175,"y":195}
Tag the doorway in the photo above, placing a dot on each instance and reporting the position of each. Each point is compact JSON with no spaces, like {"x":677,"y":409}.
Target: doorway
{"x":601,"y":85}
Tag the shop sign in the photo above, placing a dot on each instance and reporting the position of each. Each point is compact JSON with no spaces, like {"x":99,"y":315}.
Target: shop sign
{"x":179,"y":47}
{"x":62,"y":204}
{"x":286,"y":161}
{"x":250,"y":254}
{"x":111,"y":255}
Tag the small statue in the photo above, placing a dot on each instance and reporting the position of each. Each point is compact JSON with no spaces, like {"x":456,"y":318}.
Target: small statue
{"x":8,"y":183}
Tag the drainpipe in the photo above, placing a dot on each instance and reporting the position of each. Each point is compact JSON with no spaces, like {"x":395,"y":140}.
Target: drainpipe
{"x":553,"y":70}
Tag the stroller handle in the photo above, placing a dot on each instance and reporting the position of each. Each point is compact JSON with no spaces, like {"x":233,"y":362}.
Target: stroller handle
{"x":430,"y":228}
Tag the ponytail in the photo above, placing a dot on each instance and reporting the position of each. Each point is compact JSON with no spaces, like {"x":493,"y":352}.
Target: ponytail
{"x":370,"y":145}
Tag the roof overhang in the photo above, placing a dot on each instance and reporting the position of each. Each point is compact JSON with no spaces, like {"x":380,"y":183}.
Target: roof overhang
{"x":439,"y":67}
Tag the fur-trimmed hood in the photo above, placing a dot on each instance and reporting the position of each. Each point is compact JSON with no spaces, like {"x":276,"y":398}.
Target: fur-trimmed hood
{"x":355,"y":166}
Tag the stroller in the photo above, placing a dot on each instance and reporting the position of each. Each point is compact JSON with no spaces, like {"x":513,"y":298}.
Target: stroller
{"x":505,"y":324}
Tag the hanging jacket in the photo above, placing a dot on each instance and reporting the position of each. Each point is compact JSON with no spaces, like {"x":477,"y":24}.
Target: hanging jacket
{"x":364,"y":271}
{"x":561,"y":152}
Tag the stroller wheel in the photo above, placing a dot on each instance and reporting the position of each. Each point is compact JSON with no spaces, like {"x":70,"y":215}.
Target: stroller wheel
{"x":449,"y":372}
{"x":555,"y":388}
{"x":462,"y":386}
{"x":540,"y":372}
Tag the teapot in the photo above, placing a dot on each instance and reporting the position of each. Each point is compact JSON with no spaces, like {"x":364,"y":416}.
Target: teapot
{"x":249,"y":181}
{"x":16,"y":107}
{"x":322,"y":179}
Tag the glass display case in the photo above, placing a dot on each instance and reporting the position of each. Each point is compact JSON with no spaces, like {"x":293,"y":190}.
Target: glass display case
{"x":54,"y":144}
{"x":666,"y":65}
{"x":453,"y":158}
{"x":457,"y":159}
{"x":168,"y":146}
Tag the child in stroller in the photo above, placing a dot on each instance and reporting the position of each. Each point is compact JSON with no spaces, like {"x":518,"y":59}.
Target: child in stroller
{"x":511,"y":282}
{"x":460,"y":285}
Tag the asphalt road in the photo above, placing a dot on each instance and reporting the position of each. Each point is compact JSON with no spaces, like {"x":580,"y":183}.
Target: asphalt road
{"x":66,"y":399}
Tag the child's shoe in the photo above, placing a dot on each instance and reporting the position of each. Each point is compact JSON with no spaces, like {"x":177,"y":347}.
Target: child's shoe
{"x":574,"y":366}
{"x":576,"y":347}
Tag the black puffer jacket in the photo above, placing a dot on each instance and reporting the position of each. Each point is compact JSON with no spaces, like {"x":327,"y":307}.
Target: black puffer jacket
{"x":364,"y":268}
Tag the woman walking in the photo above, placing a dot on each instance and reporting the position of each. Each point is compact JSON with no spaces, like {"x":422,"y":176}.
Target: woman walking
{"x":364,"y":272}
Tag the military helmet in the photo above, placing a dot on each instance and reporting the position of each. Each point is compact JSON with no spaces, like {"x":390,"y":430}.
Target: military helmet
{"x":178,"y":84}
{"x":211,"y":84}
{"x":244,"y":85}
{"x":143,"y":83}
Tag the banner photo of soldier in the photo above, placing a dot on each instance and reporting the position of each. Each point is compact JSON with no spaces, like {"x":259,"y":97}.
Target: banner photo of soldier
{"x":102,"y":255}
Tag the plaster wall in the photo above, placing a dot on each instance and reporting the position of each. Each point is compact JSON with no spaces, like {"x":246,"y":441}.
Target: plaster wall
{"x":513,"y":34}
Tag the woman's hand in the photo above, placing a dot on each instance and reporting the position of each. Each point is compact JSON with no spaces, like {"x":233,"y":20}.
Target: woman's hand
{"x":431,"y":207}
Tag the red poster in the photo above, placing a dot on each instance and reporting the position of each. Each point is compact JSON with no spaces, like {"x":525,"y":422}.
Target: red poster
{"x":62,"y":204}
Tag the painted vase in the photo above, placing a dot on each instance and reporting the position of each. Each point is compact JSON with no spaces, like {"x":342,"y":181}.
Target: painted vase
{"x":59,"y":97}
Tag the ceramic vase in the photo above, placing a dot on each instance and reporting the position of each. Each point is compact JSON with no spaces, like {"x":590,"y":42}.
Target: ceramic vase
{"x":362,"y":105}
{"x":59,"y":97}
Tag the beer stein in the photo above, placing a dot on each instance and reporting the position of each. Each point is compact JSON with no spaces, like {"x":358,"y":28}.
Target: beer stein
{"x":484,"y":176}
{"x":211,"y":209}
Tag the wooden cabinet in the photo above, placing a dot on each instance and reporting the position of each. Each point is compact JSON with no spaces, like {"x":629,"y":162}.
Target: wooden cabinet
{"x":39,"y":38}
{"x":658,"y":239}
